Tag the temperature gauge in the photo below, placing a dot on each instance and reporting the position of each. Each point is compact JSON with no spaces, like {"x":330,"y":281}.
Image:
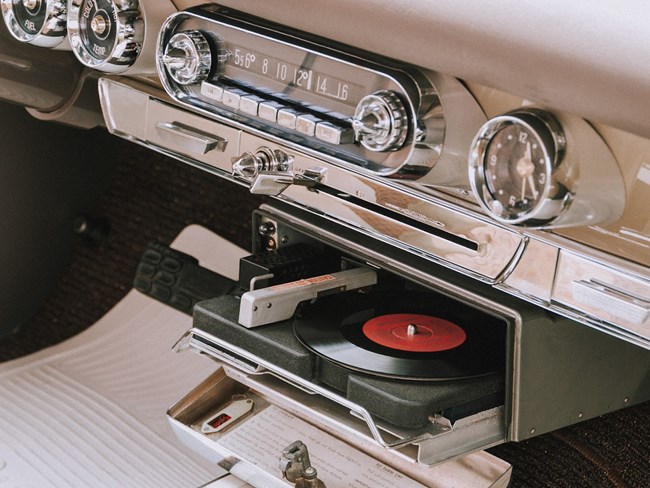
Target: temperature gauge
{"x":105,"y":34}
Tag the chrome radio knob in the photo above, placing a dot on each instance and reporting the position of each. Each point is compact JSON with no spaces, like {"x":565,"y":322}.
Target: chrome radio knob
{"x":105,"y":34}
{"x":38,"y":22}
{"x":188,"y":57}
{"x":381,"y":122}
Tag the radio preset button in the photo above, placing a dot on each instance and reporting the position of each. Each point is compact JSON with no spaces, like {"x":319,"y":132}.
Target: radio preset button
{"x":250,"y":104}
{"x":287,"y":117}
{"x":213,"y":92}
{"x":269,"y":111}
{"x":306,"y":124}
{"x":232,"y":97}
{"x":334,"y":134}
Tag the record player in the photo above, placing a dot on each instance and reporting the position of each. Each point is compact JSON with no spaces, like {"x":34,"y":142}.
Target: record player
{"x":394,"y":353}
{"x":425,"y":281}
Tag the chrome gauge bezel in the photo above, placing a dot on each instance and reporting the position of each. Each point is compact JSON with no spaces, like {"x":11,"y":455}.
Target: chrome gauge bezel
{"x":49,"y":35}
{"x":554,"y":198}
{"x":129,"y":36}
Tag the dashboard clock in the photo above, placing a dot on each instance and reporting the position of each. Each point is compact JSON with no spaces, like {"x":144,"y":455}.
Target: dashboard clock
{"x":529,"y":169}
{"x":513,"y":163}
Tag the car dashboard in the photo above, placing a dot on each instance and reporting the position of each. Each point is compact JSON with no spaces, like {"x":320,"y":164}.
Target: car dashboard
{"x":454,"y":243}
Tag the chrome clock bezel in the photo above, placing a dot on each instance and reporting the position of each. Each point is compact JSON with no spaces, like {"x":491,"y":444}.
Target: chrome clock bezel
{"x":128,"y":38}
{"x":554,"y":197}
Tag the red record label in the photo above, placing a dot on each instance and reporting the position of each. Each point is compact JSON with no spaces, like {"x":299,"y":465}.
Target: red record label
{"x":414,"y":332}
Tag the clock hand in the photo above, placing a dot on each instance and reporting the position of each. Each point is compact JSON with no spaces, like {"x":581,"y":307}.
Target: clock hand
{"x":531,"y":180}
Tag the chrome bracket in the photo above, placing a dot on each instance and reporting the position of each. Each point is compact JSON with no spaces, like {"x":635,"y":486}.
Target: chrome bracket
{"x":296,"y":466}
{"x":269,"y":172}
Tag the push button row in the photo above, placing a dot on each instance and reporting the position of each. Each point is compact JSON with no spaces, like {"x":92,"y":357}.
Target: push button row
{"x":272,"y":111}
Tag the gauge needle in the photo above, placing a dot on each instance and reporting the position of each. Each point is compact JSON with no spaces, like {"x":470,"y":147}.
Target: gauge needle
{"x":523,"y":188}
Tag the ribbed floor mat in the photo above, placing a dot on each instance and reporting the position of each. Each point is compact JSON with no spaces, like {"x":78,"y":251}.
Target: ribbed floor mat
{"x":90,"y":412}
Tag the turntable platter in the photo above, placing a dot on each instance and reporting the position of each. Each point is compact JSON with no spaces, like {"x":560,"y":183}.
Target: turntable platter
{"x":416,"y":336}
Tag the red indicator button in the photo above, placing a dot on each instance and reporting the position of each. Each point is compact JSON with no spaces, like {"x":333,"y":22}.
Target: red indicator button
{"x":219,"y":420}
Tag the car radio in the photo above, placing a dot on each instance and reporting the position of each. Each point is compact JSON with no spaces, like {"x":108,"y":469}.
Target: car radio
{"x":383,"y":116}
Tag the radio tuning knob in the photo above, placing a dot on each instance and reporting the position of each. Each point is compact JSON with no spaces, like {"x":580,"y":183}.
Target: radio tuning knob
{"x":381,"y":122}
{"x":188,"y":57}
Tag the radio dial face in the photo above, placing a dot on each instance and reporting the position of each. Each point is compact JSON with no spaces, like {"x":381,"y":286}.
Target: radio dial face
{"x":383,"y":117}
{"x":105,"y":34}
{"x":188,"y":57}
{"x":38,"y":22}
{"x":381,"y":122}
{"x":513,"y":166}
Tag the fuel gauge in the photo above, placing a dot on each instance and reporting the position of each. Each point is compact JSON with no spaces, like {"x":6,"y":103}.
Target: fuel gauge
{"x":38,"y":22}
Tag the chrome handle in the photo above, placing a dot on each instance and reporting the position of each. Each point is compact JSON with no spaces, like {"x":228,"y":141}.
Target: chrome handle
{"x":189,"y":139}
{"x":275,"y":183}
{"x":270,"y":172}
{"x":617,"y":301}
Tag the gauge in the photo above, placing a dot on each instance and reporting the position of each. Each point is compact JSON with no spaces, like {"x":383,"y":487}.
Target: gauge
{"x":105,"y":34}
{"x":513,"y":165}
{"x":38,"y":22}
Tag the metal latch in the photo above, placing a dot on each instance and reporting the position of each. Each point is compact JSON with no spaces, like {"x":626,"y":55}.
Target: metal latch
{"x":297,"y":468}
{"x":270,"y":172}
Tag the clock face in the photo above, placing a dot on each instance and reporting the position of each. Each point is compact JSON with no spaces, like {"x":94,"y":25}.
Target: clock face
{"x":512,"y":165}
{"x":516,"y":167}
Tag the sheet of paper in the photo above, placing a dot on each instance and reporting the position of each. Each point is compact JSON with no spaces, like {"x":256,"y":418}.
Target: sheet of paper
{"x":261,"y":439}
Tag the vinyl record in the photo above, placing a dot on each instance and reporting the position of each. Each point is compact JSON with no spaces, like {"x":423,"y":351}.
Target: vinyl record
{"x":414,"y":332}
{"x":455,"y":341}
